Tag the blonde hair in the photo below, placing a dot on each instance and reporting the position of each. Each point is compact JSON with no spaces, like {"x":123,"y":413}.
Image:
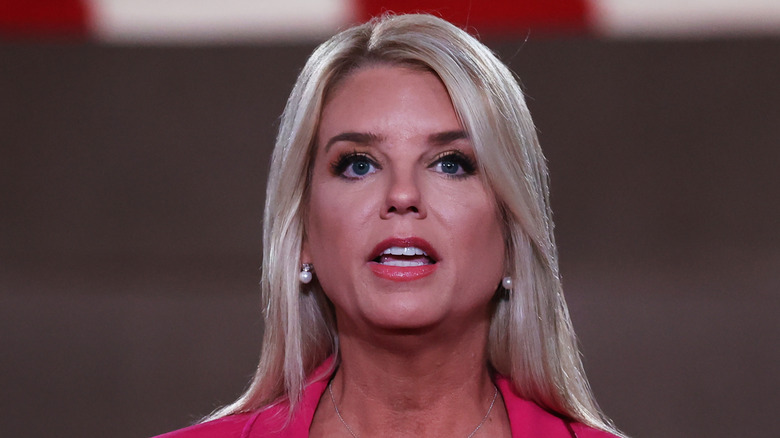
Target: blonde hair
{"x":531,"y":339}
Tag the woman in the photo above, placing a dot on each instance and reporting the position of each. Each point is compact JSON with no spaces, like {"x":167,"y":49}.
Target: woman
{"x":410,"y":276}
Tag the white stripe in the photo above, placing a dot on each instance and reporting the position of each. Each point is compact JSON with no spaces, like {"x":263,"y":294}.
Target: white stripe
{"x":217,"y":20}
{"x":687,"y":17}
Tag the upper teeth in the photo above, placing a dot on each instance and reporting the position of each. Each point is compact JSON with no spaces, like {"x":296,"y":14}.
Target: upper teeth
{"x":407,"y":251}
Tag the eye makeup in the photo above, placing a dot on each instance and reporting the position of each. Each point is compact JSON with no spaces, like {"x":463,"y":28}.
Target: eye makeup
{"x":353,"y":165}
{"x":454,"y":164}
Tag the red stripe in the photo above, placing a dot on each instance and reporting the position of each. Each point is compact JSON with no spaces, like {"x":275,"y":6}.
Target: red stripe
{"x":496,"y":16}
{"x":27,"y":18}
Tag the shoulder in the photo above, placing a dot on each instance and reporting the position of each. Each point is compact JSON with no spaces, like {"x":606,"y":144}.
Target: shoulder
{"x":527,"y":419}
{"x":583,"y":431}
{"x":272,"y":421}
{"x":227,"y":427}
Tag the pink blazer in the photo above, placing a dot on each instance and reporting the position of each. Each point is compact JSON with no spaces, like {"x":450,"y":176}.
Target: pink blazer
{"x":527,"y":420}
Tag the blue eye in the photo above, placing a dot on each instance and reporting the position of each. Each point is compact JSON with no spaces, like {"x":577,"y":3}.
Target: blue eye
{"x":454,"y":164}
{"x":449,"y":167}
{"x":354,"y":166}
{"x":359,"y":168}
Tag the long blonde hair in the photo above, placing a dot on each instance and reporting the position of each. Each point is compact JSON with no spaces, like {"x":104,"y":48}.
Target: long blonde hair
{"x":531,"y":339}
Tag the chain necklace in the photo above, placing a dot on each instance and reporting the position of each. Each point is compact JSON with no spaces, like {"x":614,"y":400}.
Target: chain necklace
{"x":354,"y":435}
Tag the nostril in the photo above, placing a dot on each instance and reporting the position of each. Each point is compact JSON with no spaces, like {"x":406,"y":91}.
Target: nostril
{"x":410,"y":209}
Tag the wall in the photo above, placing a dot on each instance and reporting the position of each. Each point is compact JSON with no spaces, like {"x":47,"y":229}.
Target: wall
{"x":132,"y":190}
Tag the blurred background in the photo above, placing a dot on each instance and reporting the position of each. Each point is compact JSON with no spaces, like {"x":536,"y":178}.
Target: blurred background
{"x":134,"y":146}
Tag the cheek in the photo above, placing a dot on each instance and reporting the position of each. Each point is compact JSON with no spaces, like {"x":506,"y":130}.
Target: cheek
{"x":486,"y":251}
{"x":323,"y":234}
{"x":325,"y":224}
{"x":475,"y":229}
{"x":487,"y":239}
{"x":338,"y":216}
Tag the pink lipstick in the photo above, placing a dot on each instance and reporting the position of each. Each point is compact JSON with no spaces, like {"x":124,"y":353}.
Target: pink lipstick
{"x":403,"y":259}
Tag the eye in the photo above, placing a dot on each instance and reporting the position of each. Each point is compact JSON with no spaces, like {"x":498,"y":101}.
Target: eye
{"x":454,"y":164}
{"x":354,"y":165}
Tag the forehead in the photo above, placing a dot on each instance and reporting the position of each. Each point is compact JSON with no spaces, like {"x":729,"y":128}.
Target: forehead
{"x":389,"y":99}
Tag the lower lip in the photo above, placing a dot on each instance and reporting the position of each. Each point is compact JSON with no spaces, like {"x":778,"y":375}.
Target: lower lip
{"x":401,"y":273}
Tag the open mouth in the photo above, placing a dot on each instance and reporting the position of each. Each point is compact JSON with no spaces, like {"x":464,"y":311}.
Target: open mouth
{"x":403,"y":259}
{"x":407,"y":256}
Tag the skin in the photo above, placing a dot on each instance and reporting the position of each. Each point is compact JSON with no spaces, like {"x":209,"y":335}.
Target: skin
{"x":413,"y":352}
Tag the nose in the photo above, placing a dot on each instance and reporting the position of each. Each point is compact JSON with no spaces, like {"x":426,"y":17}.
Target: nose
{"x":403,"y":197}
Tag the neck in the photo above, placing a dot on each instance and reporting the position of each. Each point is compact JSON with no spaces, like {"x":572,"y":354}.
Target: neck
{"x":414,"y":383}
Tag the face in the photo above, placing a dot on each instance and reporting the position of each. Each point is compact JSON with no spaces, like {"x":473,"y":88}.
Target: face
{"x":401,"y":230}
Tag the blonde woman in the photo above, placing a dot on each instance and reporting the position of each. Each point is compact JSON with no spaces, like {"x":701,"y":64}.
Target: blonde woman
{"x":410,"y":277}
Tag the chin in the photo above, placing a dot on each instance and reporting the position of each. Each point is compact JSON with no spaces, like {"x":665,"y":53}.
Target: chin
{"x":405,"y":314}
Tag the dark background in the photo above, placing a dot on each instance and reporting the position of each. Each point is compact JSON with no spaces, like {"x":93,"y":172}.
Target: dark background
{"x":131,"y":191}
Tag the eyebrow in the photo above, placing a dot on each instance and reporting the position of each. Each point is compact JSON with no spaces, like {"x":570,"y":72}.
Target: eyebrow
{"x":361,"y":138}
{"x":447,"y":137}
{"x":369,"y":138}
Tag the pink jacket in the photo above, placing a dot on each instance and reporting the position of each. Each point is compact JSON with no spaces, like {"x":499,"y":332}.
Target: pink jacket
{"x":526,"y":419}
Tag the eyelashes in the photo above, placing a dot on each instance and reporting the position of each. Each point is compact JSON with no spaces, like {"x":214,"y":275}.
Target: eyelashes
{"x":354,"y":165}
{"x":454,"y":164}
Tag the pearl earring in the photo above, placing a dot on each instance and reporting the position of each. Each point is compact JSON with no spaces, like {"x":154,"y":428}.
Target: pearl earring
{"x":305,"y":275}
{"x":506,"y":282}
